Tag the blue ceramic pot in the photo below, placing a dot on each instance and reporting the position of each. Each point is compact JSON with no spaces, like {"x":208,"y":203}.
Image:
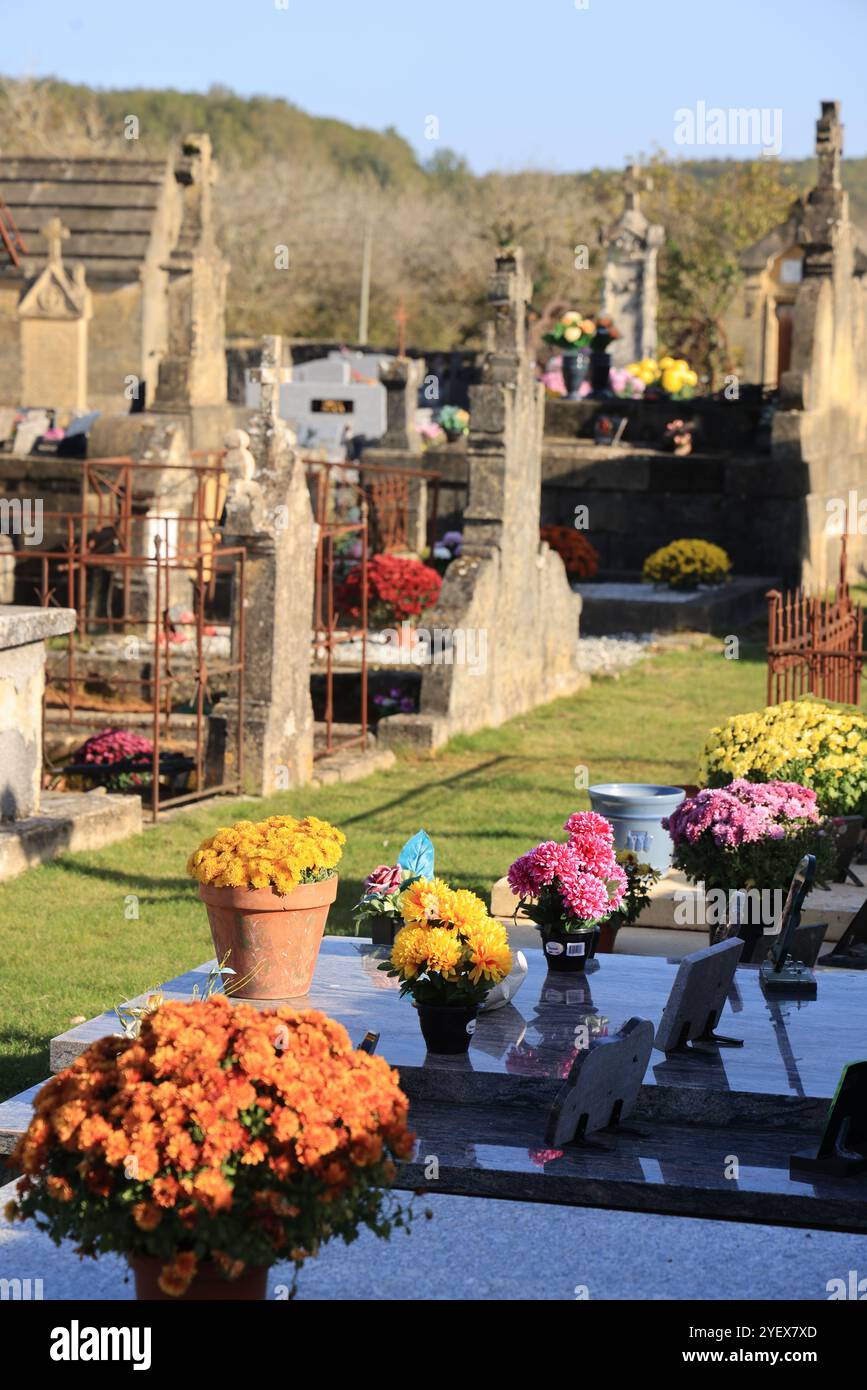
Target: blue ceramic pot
{"x":636,"y":810}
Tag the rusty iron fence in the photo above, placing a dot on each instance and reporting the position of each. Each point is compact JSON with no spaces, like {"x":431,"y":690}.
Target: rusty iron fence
{"x":816,"y":644}
{"x":340,"y":511}
{"x":133,"y":659}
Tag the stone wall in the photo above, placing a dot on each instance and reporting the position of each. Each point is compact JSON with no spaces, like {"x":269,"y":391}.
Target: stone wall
{"x":22,"y":679}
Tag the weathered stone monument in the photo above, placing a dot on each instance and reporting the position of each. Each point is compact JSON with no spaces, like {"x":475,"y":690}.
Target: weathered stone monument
{"x":629,"y":291}
{"x":268,"y":514}
{"x":507,"y":619}
{"x":53,"y":314}
{"x":152,"y":282}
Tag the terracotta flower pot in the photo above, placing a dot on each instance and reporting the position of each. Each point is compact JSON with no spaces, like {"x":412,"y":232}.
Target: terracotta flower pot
{"x":273,"y":939}
{"x":207,"y":1286}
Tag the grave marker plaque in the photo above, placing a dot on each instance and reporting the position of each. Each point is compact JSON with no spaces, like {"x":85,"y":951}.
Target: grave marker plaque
{"x":603,"y":1084}
{"x":697,"y":998}
{"x":850,"y":951}
{"x":781,"y":973}
{"x":843,"y":1147}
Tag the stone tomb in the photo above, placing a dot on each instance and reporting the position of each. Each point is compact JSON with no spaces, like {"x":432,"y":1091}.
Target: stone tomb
{"x":331,"y":400}
{"x":487,"y":1115}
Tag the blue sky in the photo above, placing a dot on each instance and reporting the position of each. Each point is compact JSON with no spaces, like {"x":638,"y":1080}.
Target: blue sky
{"x":511,"y":83}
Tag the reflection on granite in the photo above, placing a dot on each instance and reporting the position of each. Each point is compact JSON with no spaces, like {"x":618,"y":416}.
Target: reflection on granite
{"x":794,"y":1049}
{"x":680,"y":1169}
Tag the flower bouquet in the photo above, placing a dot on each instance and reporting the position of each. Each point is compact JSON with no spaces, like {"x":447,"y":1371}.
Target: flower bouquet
{"x":448,"y":955}
{"x":267,"y":887}
{"x":750,"y":836}
{"x":580,"y":557}
{"x":569,"y":889}
{"x":378,"y":909}
{"x":669,"y":377}
{"x":454,"y":422}
{"x":218,"y":1142}
{"x":399,"y":589}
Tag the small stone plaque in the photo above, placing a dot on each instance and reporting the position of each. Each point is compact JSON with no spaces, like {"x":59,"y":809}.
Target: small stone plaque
{"x":843,"y":1147}
{"x":603,"y":1085}
{"x":698,"y":996}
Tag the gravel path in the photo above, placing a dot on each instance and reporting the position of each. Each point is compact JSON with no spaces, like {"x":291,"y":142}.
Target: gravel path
{"x":608,"y":656}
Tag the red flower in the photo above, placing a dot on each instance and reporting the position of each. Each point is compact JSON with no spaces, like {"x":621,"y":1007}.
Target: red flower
{"x":399,"y":587}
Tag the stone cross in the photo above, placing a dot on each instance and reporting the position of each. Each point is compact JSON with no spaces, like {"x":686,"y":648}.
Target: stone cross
{"x":55,"y":234}
{"x":401,"y":319}
{"x":271,"y":374}
{"x":634,"y":184}
{"x":509,"y":293}
{"x":829,"y":145}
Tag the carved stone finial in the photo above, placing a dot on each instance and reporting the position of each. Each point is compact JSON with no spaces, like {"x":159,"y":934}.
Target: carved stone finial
{"x":634,"y":184}
{"x":55,"y":234}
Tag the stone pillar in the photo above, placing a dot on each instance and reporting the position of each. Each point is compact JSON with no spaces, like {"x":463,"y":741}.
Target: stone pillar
{"x":22,"y":682}
{"x":400,"y":446}
{"x":268,"y":513}
{"x":629,"y":292}
{"x":192,"y":374}
{"x":402,"y":379}
{"x":53,"y":315}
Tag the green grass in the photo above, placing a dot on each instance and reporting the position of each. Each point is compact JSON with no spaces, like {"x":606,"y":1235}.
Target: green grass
{"x":70,"y":945}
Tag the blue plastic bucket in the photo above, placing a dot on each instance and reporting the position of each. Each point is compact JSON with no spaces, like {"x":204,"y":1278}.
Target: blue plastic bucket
{"x":636,"y":811}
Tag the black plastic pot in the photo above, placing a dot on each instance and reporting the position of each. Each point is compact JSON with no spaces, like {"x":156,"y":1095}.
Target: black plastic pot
{"x":447,"y":1030}
{"x":567,"y":953}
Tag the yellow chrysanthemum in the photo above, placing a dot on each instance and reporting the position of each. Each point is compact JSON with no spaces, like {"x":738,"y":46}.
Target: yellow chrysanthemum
{"x":489,"y":954}
{"x":428,"y":900}
{"x":409,"y":950}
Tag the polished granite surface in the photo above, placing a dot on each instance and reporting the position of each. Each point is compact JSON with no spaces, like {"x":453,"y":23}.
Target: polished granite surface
{"x":794,"y":1050}
{"x":484,"y":1117}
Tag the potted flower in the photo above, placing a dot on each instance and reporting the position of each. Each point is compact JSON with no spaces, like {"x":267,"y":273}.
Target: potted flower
{"x":454,"y":422}
{"x":678,"y":437}
{"x":448,"y":955}
{"x":218,"y":1142}
{"x":572,"y":335}
{"x":569,"y":889}
{"x":580,"y":557}
{"x":378,"y":909}
{"x":821,"y":745}
{"x":687,"y":564}
{"x":267,"y":888}
{"x":640,"y":878}
{"x":399,"y":589}
{"x":600,"y":361}
{"x":750,"y":837}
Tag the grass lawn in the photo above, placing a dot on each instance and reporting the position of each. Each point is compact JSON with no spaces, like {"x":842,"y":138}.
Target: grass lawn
{"x":71,"y":941}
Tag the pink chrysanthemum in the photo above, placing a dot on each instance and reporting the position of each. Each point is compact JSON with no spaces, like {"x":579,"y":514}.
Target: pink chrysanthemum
{"x":582,"y":823}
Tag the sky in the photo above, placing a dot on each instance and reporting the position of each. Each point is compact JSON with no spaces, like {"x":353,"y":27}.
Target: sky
{"x":508,"y":84}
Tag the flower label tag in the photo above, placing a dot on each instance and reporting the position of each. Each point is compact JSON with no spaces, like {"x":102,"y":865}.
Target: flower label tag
{"x":471,"y":1026}
{"x":575,"y":948}
{"x":553,"y":948}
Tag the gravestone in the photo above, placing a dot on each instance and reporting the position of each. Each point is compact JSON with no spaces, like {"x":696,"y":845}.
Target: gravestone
{"x":842,"y":1149}
{"x":629,"y":292}
{"x":781,"y":973}
{"x":850,"y":952}
{"x":603,"y":1085}
{"x":698,"y":997}
{"x":325,"y":407}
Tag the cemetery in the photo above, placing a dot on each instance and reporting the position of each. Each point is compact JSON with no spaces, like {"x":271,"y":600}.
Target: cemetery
{"x":433,"y":780}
